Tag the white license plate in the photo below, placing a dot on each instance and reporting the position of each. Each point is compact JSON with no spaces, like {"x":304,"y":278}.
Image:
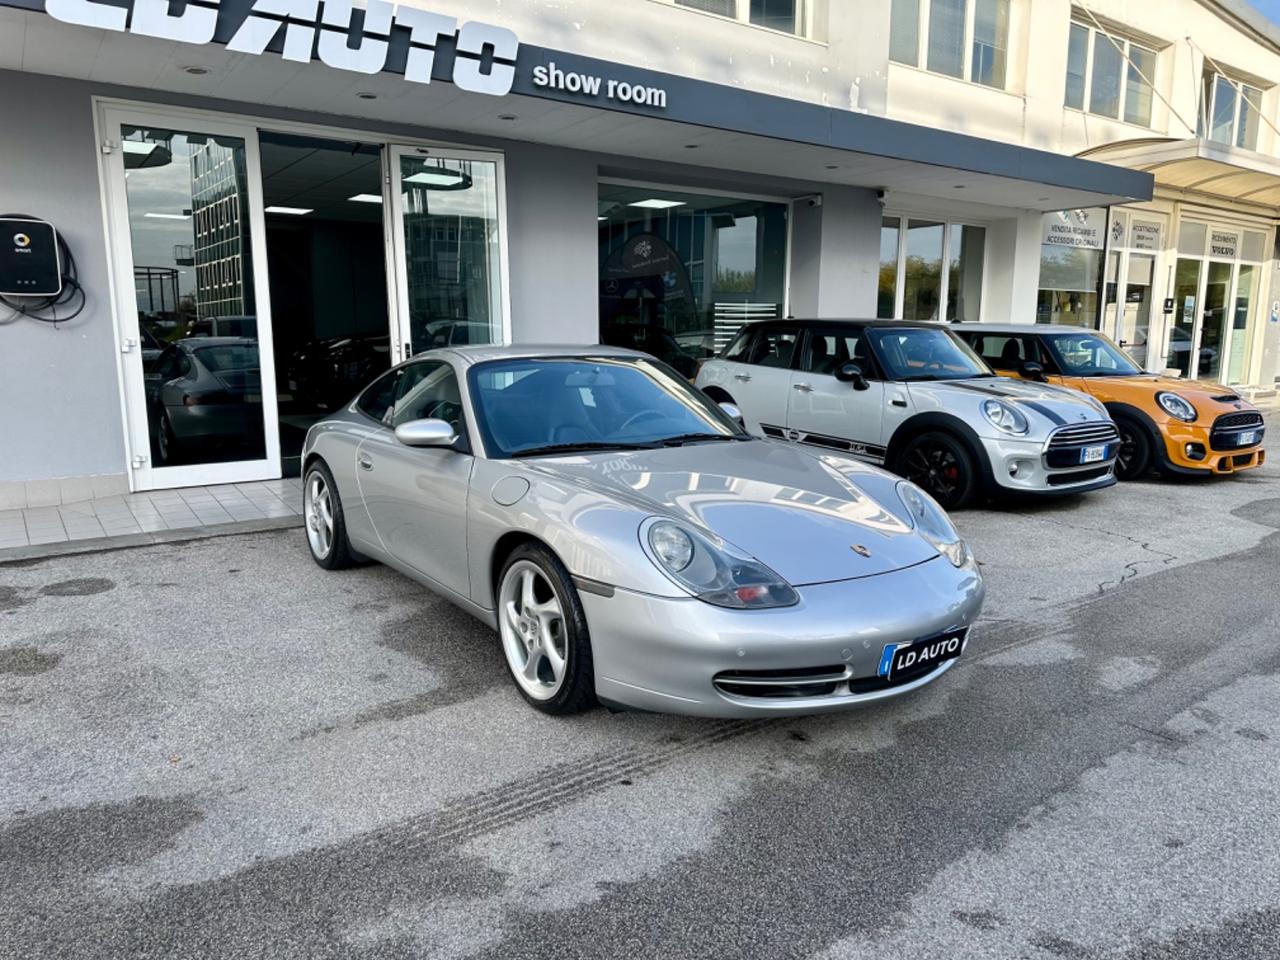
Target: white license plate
{"x":1093,"y":454}
{"x":1247,"y":438}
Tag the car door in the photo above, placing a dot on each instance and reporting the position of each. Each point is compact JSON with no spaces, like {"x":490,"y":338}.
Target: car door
{"x":759,"y":376}
{"x":827,"y":412}
{"x":416,"y":497}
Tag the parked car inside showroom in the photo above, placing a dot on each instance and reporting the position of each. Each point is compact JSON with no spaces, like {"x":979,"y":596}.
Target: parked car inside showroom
{"x":631,"y":543}
{"x":1165,"y":423}
{"x":914,"y":397}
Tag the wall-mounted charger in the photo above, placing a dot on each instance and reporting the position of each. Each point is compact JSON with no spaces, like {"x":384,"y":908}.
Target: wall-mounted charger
{"x":30,"y":258}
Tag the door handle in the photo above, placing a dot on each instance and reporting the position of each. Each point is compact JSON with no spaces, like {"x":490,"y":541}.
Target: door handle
{"x":898,"y":402}
{"x":803,"y":387}
{"x":743,"y":377}
{"x":365,"y":462}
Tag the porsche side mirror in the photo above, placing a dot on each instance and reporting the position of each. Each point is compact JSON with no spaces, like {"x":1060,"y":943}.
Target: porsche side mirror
{"x":426,"y":433}
{"x":733,"y":413}
{"x":851,"y":373}
{"x":1032,"y":371}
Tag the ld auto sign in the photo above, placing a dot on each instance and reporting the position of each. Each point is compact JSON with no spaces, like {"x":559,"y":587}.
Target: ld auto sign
{"x":343,"y":37}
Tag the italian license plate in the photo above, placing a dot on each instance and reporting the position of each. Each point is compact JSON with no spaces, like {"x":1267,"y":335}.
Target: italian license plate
{"x":898,"y":657}
{"x":1093,"y":454}
{"x":1247,"y":438}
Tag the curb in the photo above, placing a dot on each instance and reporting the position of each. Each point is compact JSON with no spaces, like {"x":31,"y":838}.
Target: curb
{"x":45,"y":551}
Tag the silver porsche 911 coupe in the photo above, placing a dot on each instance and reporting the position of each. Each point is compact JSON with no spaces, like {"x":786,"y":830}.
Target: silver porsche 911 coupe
{"x":631,"y":543}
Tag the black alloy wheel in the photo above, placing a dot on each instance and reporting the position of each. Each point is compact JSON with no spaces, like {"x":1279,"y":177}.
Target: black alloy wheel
{"x":1134,"y":459}
{"x":940,"y":465}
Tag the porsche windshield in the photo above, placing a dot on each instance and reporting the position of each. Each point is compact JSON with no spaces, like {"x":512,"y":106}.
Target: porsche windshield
{"x":924,"y":353}
{"x":1089,"y":355}
{"x":552,"y":405}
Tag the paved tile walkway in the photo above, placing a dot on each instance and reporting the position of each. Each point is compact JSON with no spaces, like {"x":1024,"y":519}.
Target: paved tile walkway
{"x":158,"y":510}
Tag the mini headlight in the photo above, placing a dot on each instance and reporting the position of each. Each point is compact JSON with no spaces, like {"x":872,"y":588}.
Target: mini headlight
{"x":1005,"y":417}
{"x":1176,"y":406}
{"x":714,"y":572}
{"x":932,"y":523}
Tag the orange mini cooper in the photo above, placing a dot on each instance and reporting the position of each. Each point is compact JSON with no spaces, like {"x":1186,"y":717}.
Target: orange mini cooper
{"x":1180,"y":426}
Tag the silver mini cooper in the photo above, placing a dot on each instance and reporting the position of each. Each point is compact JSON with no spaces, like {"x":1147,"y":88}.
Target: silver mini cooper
{"x":917,"y":399}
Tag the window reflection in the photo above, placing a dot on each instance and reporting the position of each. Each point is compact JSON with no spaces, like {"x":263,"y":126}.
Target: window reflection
{"x":922,"y":273}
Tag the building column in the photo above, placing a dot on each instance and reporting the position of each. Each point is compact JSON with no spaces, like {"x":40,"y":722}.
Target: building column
{"x":1013,"y":269}
{"x":835,"y":254}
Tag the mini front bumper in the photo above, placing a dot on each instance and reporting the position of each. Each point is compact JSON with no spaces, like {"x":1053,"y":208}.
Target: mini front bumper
{"x":663,"y":654}
{"x":1022,"y":466}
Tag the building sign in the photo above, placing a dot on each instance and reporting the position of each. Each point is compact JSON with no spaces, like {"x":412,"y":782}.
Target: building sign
{"x":592,"y":86}
{"x":343,"y":37}
{"x":1145,"y":235}
{"x":1222,"y":244}
{"x":1082,"y":229}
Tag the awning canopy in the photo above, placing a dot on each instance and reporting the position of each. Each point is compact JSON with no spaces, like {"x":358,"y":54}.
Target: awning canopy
{"x":1199,"y":166}
{"x":717,"y":128}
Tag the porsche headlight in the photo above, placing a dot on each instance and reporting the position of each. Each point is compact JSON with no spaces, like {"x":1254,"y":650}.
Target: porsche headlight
{"x":932,"y":523}
{"x":1176,"y":406}
{"x":1005,"y":417}
{"x":713,"y":571}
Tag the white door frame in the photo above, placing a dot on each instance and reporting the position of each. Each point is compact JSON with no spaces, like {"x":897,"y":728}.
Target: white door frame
{"x":401,"y":329}
{"x":143,"y":475}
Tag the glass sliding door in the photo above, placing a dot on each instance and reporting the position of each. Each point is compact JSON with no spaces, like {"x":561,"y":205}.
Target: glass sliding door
{"x":1238,"y":352}
{"x":450,"y":248}
{"x":922,"y":271}
{"x":1215,"y":320}
{"x":1186,"y":295}
{"x":195,"y":335}
{"x":1135,"y":324}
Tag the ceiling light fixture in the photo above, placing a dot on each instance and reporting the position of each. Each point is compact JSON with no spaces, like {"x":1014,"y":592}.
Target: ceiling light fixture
{"x":196,"y":71}
{"x":365,"y":198}
{"x":832,"y":166}
{"x":137,"y":146}
{"x":508,"y":117}
{"x":654,"y":203}
{"x":691,"y":146}
{"x":440,"y":177}
{"x":366,"y":96}
{"x":290,"y":211}
{"x":167,"y":216}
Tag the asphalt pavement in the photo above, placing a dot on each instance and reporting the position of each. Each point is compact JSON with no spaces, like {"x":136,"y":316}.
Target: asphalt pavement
{"x":215,"y":749}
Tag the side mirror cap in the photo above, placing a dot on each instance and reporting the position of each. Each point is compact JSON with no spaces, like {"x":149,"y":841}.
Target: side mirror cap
{"x":426,"y":433}
{"x":1032,"y":370}
{"x":851,"y":373}
{"x":733,"y":413}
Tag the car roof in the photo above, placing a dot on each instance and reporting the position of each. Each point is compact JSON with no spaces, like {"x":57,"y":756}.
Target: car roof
{"x":1023,"y":328}
{"x":481,"y":353}
{"x":845,"y":321}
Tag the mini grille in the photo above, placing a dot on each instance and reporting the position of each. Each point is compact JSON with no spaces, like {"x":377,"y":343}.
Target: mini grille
{"x":1082,"y":434}
{"x":1231,"y":421}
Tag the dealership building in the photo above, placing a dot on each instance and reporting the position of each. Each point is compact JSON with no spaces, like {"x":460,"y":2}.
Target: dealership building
{"x":261,"y":203}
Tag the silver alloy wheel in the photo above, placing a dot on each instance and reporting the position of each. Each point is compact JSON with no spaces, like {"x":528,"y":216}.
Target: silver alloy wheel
{"x":534,"y":635}
{"x":317,"y":507}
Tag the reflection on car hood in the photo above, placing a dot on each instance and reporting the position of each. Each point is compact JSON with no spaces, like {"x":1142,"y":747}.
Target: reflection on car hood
{"x":785,"y":507}
{"x":1059,"y":405}
{"x":1202,"y":395}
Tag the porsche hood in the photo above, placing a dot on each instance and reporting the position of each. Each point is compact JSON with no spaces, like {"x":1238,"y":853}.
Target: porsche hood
{"x":803,"y":515}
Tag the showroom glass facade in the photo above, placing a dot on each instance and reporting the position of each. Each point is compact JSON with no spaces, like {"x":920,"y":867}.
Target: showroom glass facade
{"x":1071,"y":265}
{"x":930,"y":269}
{"x":687,"y":267}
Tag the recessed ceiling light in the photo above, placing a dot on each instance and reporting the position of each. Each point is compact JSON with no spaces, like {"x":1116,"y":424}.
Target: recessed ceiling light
{"x":196,"y":71}
{"x":508,"y":117}
{"x":602,"y":218}
{"x":958,"y":186}
{"x":654,"y":203}
{"x":691,"y":146}
{"x":137,"y":146}
{"x":365,"y":198}
{"x":366,"y":96}
{"x":290,"y":211}
{"x":832,"y":166}
{"x":167,"y":216}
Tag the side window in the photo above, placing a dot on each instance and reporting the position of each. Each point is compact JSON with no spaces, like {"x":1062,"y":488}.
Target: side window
{"x":1005,"y":352}
{"x":829,"y":349}
{"x":166,"y":366}
{"x":184,"y":365}
{"x":428,"y":391}
{"x":774,"y":347}
{"x":378,"y":397}
{"x":740,"y":348}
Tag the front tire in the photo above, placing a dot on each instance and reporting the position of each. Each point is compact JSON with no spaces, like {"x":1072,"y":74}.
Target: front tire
{"x":324,"y":520}
{"x":1134,"y":459}
{"x":942,"y":466}
{"x":544,"y":632}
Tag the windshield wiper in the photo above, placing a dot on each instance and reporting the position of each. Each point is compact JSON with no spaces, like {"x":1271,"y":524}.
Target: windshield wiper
{"x":681,"y":439}
{"x":585,"y":447}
